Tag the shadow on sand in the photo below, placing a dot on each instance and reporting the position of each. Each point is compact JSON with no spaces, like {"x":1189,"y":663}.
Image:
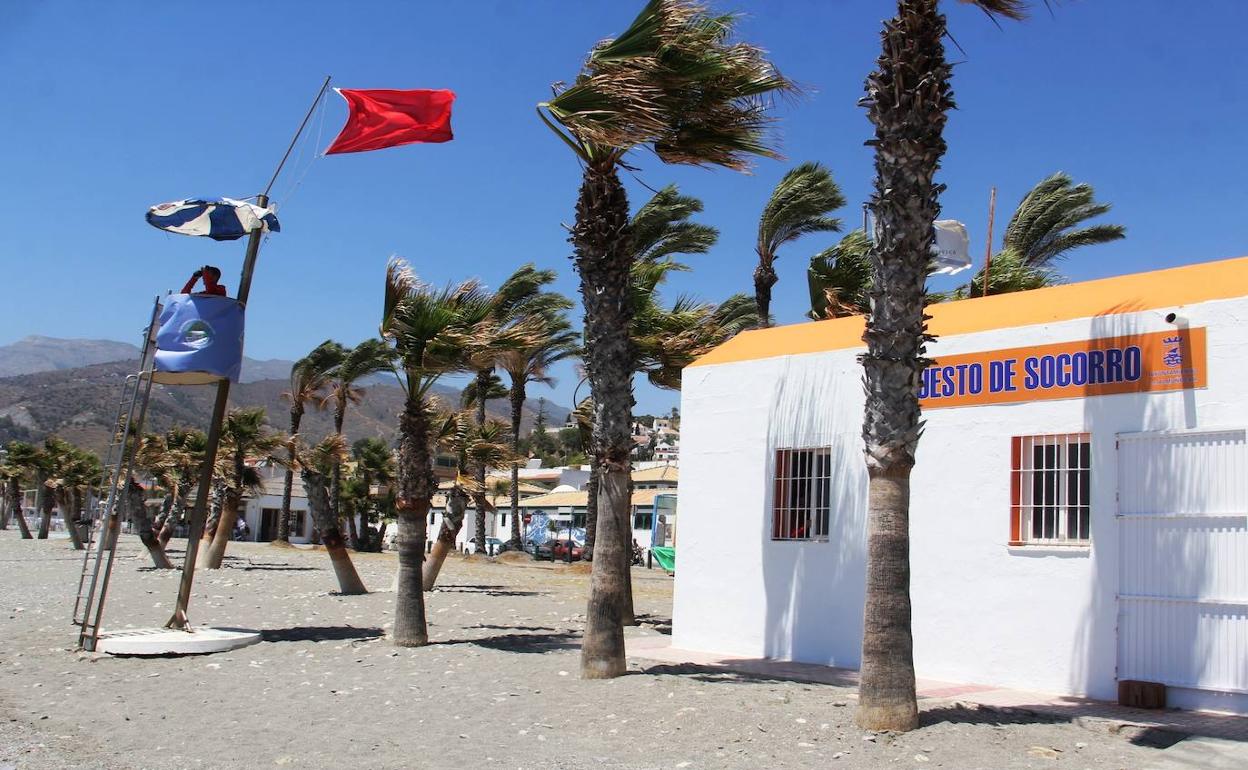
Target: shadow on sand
{"x":525,"y":643}
{"x":320,"y":634}
{"x":486,"y":590}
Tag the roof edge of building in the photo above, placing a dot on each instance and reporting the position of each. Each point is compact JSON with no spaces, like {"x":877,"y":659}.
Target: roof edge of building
{"x":1116,"y":295}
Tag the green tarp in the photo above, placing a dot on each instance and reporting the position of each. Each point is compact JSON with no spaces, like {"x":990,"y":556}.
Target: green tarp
{"x":666,"y":557}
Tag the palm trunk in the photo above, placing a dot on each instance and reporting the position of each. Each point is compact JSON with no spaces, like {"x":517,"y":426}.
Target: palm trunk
{"x":517,"y":411}
{"x":318,"y":502}
{"x":174,"y":518}
{"x":45,"y":505}
{"x":138,"y":513}
{"x":364,"y":538}
{"x":215,"y":555}
{"x":288,"y":484}
{"x":627,"y":614}
{"x":591,"y":508}
{"x":4,"y":507}
{"x":65,"y":502}
{"x":907,"y":100}
{"x":416,"y":484}
{"x":601,"y":239}
{"x":452,"y":523}
{"x":483,"y":382}
{"x":335,"y":487}
{"x":15,"y":503}
{"x":353,"y":534}
{"x":764,"y":278}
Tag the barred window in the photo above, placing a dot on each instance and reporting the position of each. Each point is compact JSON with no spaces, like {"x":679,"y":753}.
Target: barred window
{"x":803,"y":493}
{"x":1050,"y":489}
{"x":643,"y":519}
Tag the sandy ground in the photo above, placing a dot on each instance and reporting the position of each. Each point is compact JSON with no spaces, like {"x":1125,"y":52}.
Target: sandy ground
{"x":498,"y":688}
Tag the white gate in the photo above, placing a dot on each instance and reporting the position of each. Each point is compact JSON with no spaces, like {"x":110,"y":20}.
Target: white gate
{"x":1183,"y":576}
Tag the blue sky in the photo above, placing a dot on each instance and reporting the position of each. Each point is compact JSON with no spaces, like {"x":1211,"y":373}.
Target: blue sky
{"x":112,"y":107}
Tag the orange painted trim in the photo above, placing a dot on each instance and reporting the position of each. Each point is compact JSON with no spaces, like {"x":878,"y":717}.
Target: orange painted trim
{"x":1120,"y":295}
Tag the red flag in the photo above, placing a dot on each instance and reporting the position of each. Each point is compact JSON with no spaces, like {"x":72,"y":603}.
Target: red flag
{"x":387,"y":118}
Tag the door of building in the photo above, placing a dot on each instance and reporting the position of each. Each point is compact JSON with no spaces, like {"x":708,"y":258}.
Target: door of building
{"x":1183,"y":559}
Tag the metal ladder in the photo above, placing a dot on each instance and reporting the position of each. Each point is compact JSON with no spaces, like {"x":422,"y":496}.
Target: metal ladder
{"x":105,"y":518}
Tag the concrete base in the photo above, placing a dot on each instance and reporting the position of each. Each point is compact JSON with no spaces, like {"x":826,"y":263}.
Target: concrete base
{"x":163,"y":641}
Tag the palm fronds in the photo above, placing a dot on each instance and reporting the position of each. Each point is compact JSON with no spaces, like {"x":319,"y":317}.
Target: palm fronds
{"x":672,"y":81}
{"x":1046,"y":223}
{"x":839,"y":277}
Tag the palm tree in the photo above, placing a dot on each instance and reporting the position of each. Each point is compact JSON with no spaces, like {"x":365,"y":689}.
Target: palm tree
{"x":661,"y":231}
{"x":19,"y":462}
{"x":41,"y":468}
{"x":308,"y":377}
{"x":672,"y":82}
{"x":518,"y":309}
{"x":185,"y":450}
{"x":839,"y":278}
{"x":475,"y":446}
{"x":67,"y":468}
{"x":554,"y":342}
{"x":907,"y":99}
{"x":368,"y":357}
{"x":800,"y":204}
{"x":244,"y":435}
{"x":1008,"y":273}
{"x":315,"y":466}
{"x":1043,"y":229}
{"x":430,"y":330}
{"x":156,"y":458}
{"x":375,"y":465}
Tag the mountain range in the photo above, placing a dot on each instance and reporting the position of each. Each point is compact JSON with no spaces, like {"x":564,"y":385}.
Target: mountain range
{"x":71,"y":388}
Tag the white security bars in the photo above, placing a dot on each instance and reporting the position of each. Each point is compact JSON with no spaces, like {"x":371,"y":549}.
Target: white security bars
{"x":1050,"y":489}
{"x":800,"y":506}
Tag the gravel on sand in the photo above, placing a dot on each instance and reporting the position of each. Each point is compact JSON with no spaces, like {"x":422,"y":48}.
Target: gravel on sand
{"x":497,"y":688}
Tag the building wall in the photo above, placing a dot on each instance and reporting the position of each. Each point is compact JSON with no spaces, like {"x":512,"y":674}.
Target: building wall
{"x":1023,"y":617}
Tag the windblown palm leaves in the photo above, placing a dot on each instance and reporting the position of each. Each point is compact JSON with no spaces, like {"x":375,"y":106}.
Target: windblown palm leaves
{"x":800,"y":204}
{"x":672,"y":81}
{"x":1046,"y":226}
{"x":662,"y":228}
{"x":839,"y":278}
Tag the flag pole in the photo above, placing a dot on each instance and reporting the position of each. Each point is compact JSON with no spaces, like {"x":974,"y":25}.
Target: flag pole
{"x":199,"y":514}
{"x":316,"y":101}
{"x":992,"y":210}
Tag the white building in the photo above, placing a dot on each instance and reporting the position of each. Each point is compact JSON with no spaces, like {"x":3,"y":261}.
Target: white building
{"x":1078,"y":504}
{"x":538,"y":504}
{"x":261,"y":511}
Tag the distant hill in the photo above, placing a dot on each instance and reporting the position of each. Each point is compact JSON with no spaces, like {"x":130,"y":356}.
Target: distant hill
{"x":34,"y":354}
{"x":44,"y":354}
{"x":79,"y":404}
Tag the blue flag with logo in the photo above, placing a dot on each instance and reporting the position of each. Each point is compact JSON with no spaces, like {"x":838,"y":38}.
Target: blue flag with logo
{"x":200,"y":340}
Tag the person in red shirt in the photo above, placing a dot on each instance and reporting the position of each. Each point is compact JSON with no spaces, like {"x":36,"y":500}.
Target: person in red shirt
{"x":210,"y":275}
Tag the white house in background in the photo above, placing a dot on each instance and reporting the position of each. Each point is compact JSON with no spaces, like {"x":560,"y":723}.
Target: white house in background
{"x":1078,"y":504}
{"x":647,"y":484}
{"x":261,"y":511}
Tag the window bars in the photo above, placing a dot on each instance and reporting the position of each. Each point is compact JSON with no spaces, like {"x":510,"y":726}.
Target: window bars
{"x":802,"y":499}
{"x":1050,"y":489}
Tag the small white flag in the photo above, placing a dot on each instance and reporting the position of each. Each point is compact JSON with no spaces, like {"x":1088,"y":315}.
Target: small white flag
{"x":951,"y":251}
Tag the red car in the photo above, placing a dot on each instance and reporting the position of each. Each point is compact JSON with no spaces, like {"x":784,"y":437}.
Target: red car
{"x":559,"y":550}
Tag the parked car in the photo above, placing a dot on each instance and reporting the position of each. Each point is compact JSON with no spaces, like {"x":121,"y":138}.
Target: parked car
{"x":542,"y":551}
{"x":559,"y":551}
